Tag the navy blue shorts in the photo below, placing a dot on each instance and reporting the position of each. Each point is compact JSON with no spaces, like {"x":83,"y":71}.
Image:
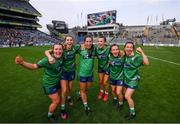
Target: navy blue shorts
{"x":69,"y":76}
{"x":131,"y":87}
{"x":86,"y":79}
{"x":116,"y":82}
{"x":100,"y":70}
{"x":52,"y":89}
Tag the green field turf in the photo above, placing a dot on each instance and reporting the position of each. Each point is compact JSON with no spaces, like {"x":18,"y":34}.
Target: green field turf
{"x":157,"y":99}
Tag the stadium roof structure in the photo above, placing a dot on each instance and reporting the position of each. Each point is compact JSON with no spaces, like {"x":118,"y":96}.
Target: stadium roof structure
{"x":20,"y":6}
{"x":18,"y":13}
{"x":57,"y":27}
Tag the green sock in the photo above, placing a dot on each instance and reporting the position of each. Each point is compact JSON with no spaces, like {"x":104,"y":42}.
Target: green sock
{"x":50,"y":114}
{"x":85,"y":105}
{"x":115,"y":98}
{"x":62,"y":107}
{"x":132,"y":111}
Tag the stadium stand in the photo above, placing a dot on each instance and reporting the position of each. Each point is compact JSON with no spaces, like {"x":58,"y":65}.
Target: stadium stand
{"x":151,"y":34}
{"x":18,"y":37}
{"x":19,"y":23}
{"x":163,"y":34}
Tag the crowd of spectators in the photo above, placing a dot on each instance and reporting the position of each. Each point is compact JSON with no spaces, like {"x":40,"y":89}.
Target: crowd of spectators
{"x":18,"y":37}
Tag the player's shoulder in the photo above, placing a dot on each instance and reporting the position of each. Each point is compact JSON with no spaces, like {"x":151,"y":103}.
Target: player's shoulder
{"x":43,"y":62}
{"x":136,"y":54}
{"x":137,"y":57}
{"x":45,"y":59}
{"x":76,"y":45}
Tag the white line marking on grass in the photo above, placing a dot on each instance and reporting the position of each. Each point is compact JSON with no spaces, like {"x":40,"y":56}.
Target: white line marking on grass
{"x":164,"y":60}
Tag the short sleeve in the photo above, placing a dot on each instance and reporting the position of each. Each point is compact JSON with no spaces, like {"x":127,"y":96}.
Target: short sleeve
{"x":138,"y":60}
{"x":43,"y":62}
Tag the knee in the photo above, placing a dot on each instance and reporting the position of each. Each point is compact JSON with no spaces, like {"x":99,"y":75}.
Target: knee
{"x":127,"y":96}
{"x":56,"y":101}
{"x":105,"y":83}
{"x":100,"y":81}
{"x":63,"y":91}
{"x":119,"y":93}
{"x":113,"y":91}
{"x":82,"y":90}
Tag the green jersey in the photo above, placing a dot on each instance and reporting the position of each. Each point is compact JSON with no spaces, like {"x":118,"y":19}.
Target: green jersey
{"x":86,"y":62}
{"x":131,"y":68}
{"x":116,"y":67}
{"x":69,"y":58}
{"x":52,"y":72}
{"x":102,"y":55}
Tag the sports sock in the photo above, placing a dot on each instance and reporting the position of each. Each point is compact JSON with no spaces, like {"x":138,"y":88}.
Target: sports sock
{"x":101,"y":90}
{"x":106,"y":92}
{"x":62,"y":107}
{"x":69,"y":97}
{"x":85,"y":105}
{"x":115,"y":98}
{"x":120,"y":103}
{"x":50,"y":114}
{"x":132,"y":111}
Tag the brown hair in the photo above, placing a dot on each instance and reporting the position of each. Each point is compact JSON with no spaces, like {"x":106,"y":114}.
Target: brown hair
{"x":68,"y":36}
{"x":90,"y":51}
{"x":101,"y":36}
{"x":88,"y":36}
{"x":52,"y":48}
{"x":113,"y":45}
{"x":129,"y":42}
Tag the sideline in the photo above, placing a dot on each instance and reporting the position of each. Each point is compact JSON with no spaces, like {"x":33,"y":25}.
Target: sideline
{"x":164,"y":60}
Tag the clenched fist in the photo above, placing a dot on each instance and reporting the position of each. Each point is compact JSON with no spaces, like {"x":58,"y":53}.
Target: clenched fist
{"x":139,"y":50}
{"x":19,"y":60}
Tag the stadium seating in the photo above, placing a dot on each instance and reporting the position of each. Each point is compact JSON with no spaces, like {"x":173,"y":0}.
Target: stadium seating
{"x":15,"y":37}
{"x":157,"y":34}
{"x":19,"y":23}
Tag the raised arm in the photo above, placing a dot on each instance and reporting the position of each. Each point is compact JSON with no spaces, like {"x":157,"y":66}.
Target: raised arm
{"x":19,"y":61}
{"x":145,"y":59}
{"x":50,"y":58}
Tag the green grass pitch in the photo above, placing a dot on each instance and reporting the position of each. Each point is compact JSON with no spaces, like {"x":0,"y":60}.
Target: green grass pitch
{"x":157,"y":99}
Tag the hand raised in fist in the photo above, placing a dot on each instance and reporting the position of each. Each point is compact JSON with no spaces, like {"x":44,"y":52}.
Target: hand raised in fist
{"x":139,"y":50}
{"x":19,"y":60}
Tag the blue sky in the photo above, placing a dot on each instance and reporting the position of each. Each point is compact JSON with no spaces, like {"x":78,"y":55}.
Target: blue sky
{"x":129,"y":12}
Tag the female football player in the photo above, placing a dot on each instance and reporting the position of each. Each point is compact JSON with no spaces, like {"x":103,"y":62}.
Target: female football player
{"x":87,"y":53}
{"x":68,"y":70}
{"x":116,"y":77}
{"x":51,"y":76}
{"x":102,"y":53}
{"x":133,"y":60}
